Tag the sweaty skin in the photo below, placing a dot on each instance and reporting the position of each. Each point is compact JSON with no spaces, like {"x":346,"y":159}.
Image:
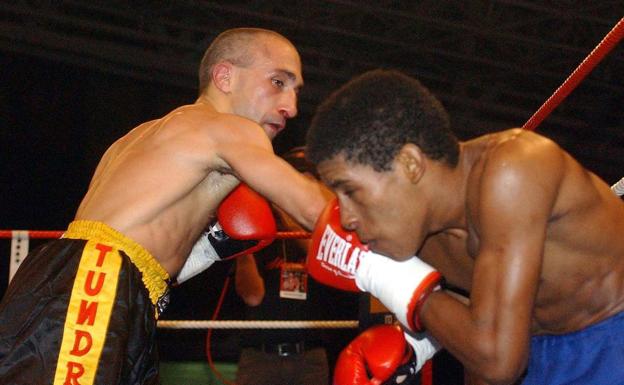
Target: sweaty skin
{"x":162,"y":182}
{"x":534,"y":237}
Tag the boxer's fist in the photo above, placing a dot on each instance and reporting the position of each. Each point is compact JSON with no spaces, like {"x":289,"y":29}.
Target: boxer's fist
{"x":380,"y":355}
{"x":245,"y":215}
{"x":245,"y":224}
{"x":337,"y":258}
{"x":401,"y":286}
{"x":334,"y":253}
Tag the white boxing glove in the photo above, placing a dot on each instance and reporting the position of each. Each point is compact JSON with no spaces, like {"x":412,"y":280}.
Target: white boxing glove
{"x":202,"y":256}
{"x":401,"y":286}
{"x":424,"y":345}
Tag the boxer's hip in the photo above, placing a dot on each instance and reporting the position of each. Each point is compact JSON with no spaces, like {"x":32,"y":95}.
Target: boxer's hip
{"x":594,"y":355}
{"x":81,"y":308}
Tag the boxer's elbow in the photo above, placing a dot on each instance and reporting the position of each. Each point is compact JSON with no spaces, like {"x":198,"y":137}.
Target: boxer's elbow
{"x":252,"y":297}
{"x":501,"y":367}
{"x":253,"y":300}
{"x":501,"y":375}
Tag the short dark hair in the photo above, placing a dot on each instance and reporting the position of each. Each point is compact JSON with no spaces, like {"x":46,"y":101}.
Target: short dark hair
{"x":370,"y":118}
{"x":234,"y":45}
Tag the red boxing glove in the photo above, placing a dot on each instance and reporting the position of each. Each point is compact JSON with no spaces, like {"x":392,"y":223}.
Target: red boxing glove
{"x":380,"y":355}
{"x":333,"y":255}
{"x":245,"y":224}
{"x":337,"y":258}
{"x":246,"y":215}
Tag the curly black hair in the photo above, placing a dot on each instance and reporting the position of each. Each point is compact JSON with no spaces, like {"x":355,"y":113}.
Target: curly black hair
{"x":371,"y":117}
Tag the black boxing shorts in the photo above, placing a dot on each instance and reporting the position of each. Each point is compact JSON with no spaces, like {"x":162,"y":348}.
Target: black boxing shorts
{"x":82,"y":310}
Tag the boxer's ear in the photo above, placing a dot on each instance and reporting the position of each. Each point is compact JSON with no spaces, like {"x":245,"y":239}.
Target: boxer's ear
{"x":222,"y":76}
{"x":411,"y":161}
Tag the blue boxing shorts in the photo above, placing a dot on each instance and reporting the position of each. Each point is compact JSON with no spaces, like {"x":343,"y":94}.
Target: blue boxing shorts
{"x":594,"y":355}
{"x":82,"y":310}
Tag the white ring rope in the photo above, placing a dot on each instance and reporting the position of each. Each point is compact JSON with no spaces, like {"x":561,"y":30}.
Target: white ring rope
{"x":193,"y":324}
{"x":618,"y":187}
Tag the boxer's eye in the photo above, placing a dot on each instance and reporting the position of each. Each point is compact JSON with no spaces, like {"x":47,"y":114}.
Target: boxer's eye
{"x":348,"y":192}
{"x":278,"y":83}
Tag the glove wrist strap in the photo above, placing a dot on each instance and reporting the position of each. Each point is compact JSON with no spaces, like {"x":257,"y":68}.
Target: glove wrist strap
{"x":430,"y":284}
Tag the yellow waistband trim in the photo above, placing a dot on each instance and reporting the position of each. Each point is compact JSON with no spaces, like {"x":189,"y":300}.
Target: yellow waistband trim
{"x":155,"y":277}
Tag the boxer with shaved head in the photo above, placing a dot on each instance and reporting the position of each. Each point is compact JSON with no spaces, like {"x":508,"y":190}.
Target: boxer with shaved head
{"x":83,"y":309}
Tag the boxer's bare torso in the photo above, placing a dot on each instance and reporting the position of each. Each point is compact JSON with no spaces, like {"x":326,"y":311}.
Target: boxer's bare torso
{"x":580,"y":271}
{"x":161,"y":183}
{"x":151,"y":187}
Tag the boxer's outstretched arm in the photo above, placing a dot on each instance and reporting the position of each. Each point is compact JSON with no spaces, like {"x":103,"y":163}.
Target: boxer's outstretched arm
{"x":248,"y":151}
{"x":509,"y":205}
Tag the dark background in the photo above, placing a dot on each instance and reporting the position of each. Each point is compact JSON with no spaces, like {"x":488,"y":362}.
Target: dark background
{"x":76,"y":75}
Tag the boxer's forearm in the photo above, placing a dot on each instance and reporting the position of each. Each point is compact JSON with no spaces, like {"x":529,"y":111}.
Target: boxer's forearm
{"x":472,"y":342}
{"x":248,"y":282}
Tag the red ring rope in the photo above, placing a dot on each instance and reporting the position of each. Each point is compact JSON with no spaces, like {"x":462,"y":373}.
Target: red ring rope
{"x":595,"y":56}
{"x":35,"y":234}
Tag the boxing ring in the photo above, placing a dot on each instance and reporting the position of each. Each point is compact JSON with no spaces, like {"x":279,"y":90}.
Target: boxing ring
{"x":19,"y":239}
{"x":20,"y":246}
